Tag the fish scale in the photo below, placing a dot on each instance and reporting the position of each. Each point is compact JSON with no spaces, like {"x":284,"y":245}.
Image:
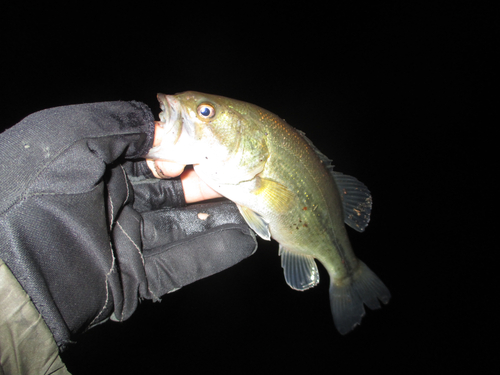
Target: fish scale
{"x":284,"y":187}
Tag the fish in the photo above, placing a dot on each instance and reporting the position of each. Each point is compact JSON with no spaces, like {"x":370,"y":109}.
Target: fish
{"x":285,"y":189}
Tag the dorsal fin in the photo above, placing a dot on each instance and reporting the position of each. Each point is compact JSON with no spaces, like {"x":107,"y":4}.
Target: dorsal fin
{"x":356,"y":198}
{"x":324,"y":159}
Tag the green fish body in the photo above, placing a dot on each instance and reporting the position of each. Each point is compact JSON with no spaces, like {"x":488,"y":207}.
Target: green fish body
{"x":285,"y":189}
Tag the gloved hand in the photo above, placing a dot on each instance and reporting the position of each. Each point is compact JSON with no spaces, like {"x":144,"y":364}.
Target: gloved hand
{"x":88,"y":233}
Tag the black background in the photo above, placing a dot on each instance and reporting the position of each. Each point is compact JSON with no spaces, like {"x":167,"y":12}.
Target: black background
{"x":395,"y":93}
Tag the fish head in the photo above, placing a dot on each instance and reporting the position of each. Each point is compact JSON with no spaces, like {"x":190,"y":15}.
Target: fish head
{"x":224,"y":137}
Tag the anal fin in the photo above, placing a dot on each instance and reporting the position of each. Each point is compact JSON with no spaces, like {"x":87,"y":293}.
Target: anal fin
{"x":301,"y":271}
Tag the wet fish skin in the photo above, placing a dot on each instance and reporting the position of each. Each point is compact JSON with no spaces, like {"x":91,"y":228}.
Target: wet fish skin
{"x":285,"y":189}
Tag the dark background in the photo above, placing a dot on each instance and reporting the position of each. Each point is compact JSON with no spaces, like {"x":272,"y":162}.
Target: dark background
{"x":395,"y":93}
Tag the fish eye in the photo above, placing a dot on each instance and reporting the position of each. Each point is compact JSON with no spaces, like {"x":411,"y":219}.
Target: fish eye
{"x":206,"y":111}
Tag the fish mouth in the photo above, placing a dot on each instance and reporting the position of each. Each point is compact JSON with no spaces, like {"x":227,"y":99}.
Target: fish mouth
{"x":171,"y":117}
{"x":170,"y":107}
{"x":175,"y":133}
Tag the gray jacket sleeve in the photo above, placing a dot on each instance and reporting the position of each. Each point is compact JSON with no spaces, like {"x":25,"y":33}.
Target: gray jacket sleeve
{"x":26,"y":343}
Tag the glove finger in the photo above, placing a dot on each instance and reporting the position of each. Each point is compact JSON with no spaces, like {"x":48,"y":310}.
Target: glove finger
{"x":173,"y":266}
{"x":151,"y":193}
{"x":158,"y":194}
{"x":138,"y":170}
{"x":187,"y":244}
{"x":162,"y":227}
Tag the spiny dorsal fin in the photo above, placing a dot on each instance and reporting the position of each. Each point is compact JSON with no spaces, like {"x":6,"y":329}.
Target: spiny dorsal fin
{"x":301,"y":271}
{"x":326,"y":161}
{"x":356,"y":197}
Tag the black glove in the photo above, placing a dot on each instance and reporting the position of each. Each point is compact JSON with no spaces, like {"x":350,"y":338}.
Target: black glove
{"x":86,"y":233}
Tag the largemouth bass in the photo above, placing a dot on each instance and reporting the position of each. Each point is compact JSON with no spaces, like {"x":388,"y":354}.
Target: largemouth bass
{"x":284,"y":187}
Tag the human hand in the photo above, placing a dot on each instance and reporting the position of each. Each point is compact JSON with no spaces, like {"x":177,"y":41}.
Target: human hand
{"x":87,"y":234}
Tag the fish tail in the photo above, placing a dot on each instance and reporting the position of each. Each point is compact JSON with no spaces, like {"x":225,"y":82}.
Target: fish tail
{"x":347,"y":298}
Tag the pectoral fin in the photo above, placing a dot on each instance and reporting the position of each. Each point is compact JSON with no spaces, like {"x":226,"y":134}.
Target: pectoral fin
{"x":301,"y":271}
{"x":276,"y":195}
{"x":256,"y":222}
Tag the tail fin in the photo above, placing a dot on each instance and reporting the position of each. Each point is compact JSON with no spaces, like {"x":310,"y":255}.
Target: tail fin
{"x":347,"y":300}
